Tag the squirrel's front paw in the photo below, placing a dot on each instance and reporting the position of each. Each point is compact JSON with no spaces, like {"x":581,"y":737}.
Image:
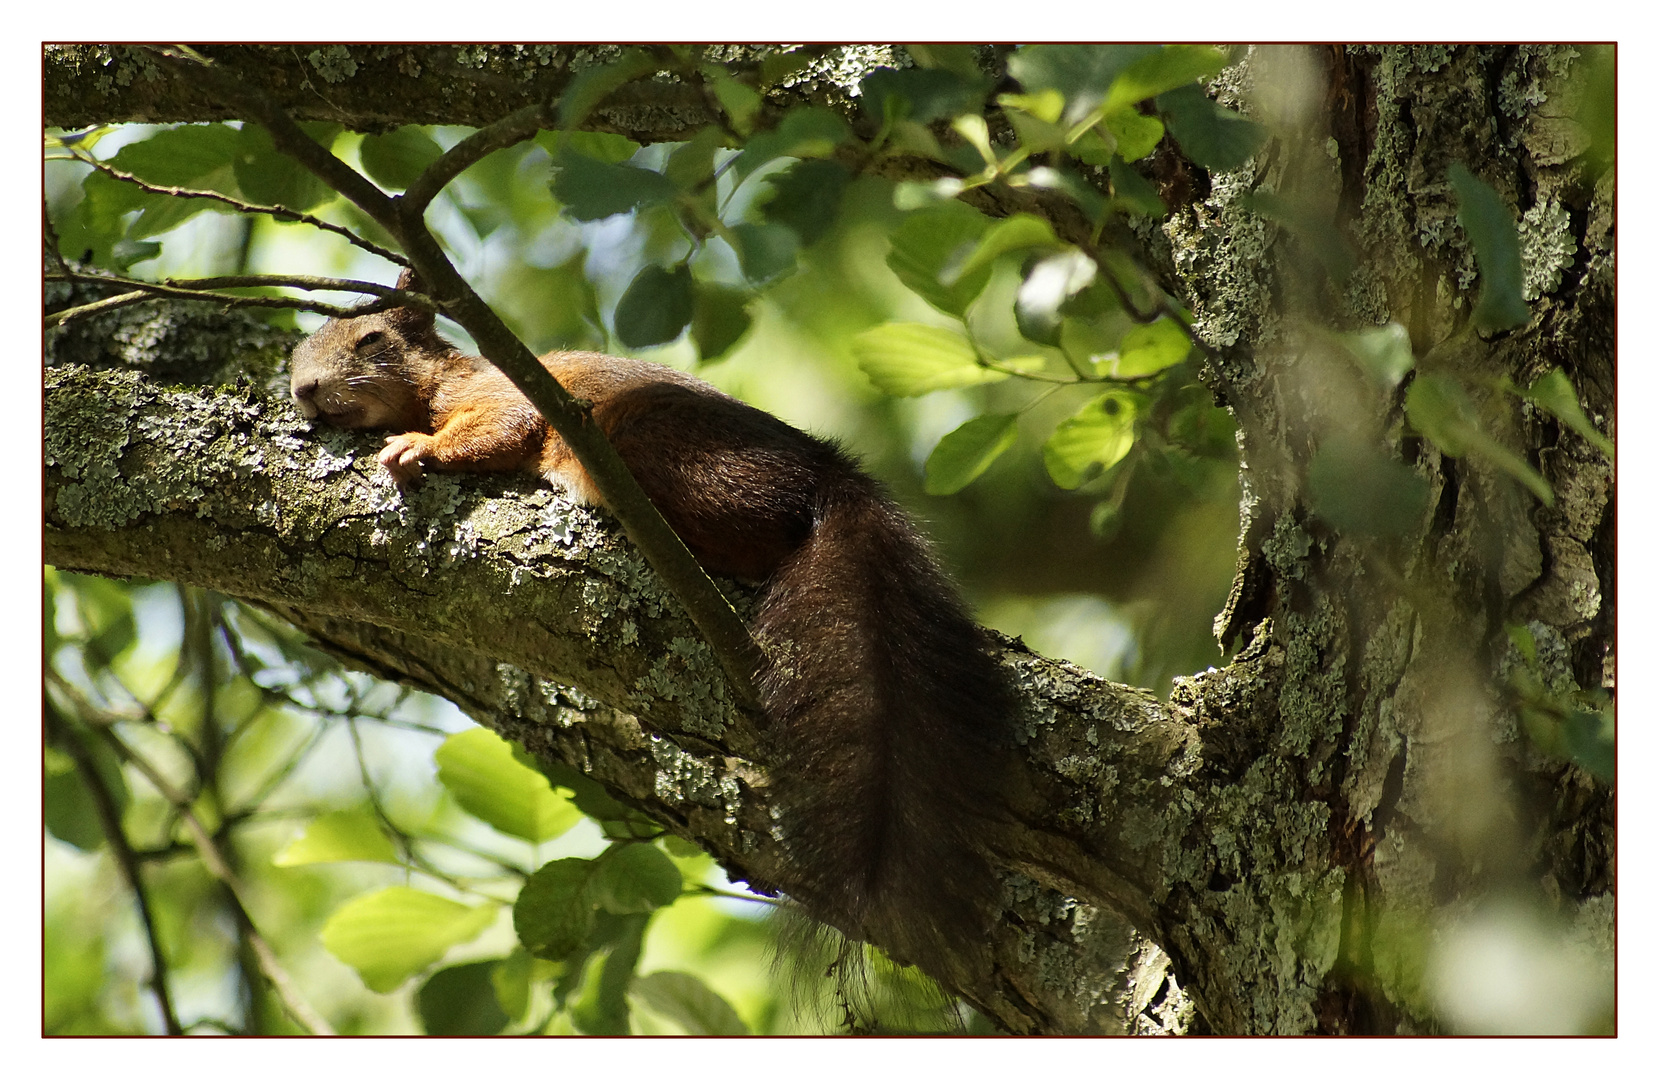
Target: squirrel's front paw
{"x":403,"y":455}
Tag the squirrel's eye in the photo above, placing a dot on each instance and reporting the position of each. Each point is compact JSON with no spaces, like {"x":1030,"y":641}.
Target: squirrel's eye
{"x":370,"y":339}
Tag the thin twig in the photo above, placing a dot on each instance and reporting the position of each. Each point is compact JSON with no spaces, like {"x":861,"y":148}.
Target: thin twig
{"x":510,"y":130}
{"x":203,"y":289}
{"x":61,"y":733}
{"x":212,"y":859}
{"x":280,"y":213}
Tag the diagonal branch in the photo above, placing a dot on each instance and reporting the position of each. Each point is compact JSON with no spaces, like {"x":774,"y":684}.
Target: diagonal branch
{"x":60,"y":733}
{"x":709,"y":609}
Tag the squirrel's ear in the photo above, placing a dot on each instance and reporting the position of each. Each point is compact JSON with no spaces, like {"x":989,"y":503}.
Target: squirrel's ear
{"x":413,"y":319}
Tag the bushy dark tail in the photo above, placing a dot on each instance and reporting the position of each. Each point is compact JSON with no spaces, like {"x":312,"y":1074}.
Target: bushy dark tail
{"x":892,"y":725}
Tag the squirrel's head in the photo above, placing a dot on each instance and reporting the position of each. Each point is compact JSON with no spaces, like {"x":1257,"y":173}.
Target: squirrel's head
{"x":368,"y":371}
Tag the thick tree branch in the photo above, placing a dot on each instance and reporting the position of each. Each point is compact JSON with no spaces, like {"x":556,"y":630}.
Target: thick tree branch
{"x":532,"y":616}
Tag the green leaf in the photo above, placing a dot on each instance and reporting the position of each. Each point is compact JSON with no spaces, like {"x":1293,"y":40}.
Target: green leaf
{"x":1134,"y":192}
{"x":1046,"y":105}
{"x":1492,"y":233}
{"x":1357,"y":489}
{"x":1136,"y":135}
{"x":592,"y":86}
{"x":1553,"y":392}
{"x":1590,"y":743}
{"x":740,"y":100}
{"x":958,"y":56}
{"x":397,"y":158}
{"x":181,"y":157}
{"x":389,"y":935}
{"x":807,"y":197}
{"x":273,"y":178}
{"x":765,"y":252}
{"x":1010,"y":234}
{"x":656,"y":306}
{"x":811,"y":132}
{"x":70,"y":813}
{"x":1383,"y":351}
{"x":553,"y":915}
{"x":1083,"y":73}
{"x":909,"y":359}
{"x":1440,"y":409}
{"x":1161,"y":71}
{"x":630,"y":879}
{"x":1148,"y":348}
{"x":920,"y":94}
{"x":719,"y":319}
{"x":511,"y":977}
{"x":598,"y":145}
{"x":602,"y":1008}
{"x":1098,"y":435}
{"x":1218,"y":139}
{"x":339,"y":836}
{"x":591,"y":189}
{"x":460,"y":1001}
{"x":929,"y":240}
{"x":692,"y":162}
{"x":479,"y":769}
{"x":687,"y":1001}
{"x":964,"y":454}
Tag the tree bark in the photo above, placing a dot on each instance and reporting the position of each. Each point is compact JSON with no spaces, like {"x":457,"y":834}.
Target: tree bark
{"x":1282,"y":829}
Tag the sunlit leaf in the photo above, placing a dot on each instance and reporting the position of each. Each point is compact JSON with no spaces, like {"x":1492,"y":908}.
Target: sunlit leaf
{"x":656,"y":307}
{"x":1014,"y":233}
{"x":958,"y":56}
{"x":1137,"y":135}
{"x":964,"y":454}
{"x":812,"y":132}
{"x":908,"y":359}
{"x":460,"y":1001}
{"x":602,"y":1008}
{"x":1492,"y":233}
{"x":687,"y":1001}
{"x":339,"y":836}
{"x":1045,"y":105}
{"x":1096,"y":437}
{"x":692,"y":162}
{"x":479,"y":769}
{"x":1161,"y":71}
{"x":391,"y":934}
{"x":1148,"y":348}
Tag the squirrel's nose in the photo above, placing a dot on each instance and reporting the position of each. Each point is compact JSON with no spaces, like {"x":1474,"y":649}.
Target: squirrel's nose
{"x":305,"y":390}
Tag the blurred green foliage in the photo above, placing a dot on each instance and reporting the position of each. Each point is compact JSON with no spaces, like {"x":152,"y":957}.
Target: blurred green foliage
{"x":1032,"y":396}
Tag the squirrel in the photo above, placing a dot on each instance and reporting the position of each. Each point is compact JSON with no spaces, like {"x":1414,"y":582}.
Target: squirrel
{"x":889,"y":719}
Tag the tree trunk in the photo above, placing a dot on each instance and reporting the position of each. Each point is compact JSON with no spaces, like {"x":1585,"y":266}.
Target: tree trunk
{"x":1301,"y":832}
